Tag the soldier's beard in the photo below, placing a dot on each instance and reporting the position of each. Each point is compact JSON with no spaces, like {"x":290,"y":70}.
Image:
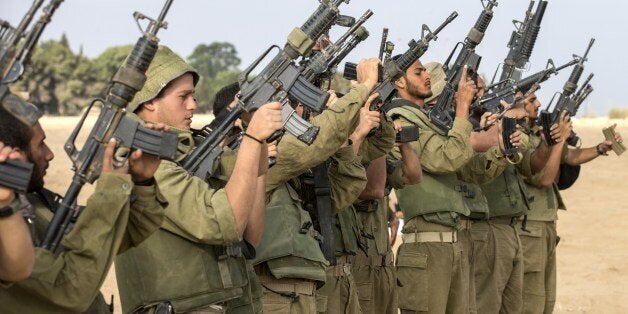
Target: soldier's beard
{"x":415,"y":92}
{"x":37,"y":177}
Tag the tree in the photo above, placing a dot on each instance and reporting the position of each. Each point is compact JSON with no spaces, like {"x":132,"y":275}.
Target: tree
{"x":216,"y":64}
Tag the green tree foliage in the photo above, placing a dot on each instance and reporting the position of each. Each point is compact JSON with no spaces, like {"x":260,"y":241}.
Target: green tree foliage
{"x":217,"y":65}
{"x":63,"y":82}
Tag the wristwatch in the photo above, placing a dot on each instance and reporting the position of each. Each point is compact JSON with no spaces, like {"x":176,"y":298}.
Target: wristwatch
{"x":11,"y":208}
{"x":599,"y":151}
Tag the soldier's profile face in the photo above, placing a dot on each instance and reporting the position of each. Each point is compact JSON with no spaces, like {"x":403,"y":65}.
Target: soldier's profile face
{"x":531,"y":105}
{"x":418,"y":82}
{"x":177,"y":104}
{"x":40,"y":155}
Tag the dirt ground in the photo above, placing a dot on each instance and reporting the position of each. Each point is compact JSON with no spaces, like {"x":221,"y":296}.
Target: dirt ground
{"x":593,"y":252}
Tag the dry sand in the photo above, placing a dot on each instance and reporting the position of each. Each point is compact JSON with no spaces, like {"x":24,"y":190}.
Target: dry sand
{"x":593,"y":252}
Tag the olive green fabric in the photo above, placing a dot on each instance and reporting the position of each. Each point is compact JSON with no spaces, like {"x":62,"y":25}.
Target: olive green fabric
{"x":475,"y":201}
{"x":336,"y":124}
{"x":339,"y":294}
{"x":547,"y":201}
{"x":431,"y":276}
{"x":466,"y":244}
{"x":380,"y":144}
{"x":507,"y":195}
{"x":288,"y":246}
{"x":347,"y":178}
{"x":437,"y":78}
{"x":374,"y":271}
{"x":441,"y":156}
{"x":287,"y":295}
{"x":24,"y":111}
{"x":70,"y":281}
{"x":539,"y":242}
{"x":251,"y":299}
{"x":198,"y":220}
{"x":498,"y":266}
{"x":165,"y":67}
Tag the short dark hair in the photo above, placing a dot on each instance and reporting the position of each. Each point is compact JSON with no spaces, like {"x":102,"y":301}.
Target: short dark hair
{"x":224,"y":97}
{"x":13,"y":132}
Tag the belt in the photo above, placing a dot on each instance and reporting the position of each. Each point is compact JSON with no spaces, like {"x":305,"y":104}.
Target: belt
{"x":375,"y":260}
{"x":342,"y":267}
{"x":306,"y":287}
{"x":430,"y":236}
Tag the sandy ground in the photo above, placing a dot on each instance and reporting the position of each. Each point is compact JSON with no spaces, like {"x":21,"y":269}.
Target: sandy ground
{"x":592,"y":255}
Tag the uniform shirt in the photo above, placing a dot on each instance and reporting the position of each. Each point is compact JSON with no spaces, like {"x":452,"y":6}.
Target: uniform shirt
{"x":70,"y":281}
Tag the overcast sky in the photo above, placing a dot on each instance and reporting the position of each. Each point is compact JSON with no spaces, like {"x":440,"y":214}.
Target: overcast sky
{"x":252,"y":26}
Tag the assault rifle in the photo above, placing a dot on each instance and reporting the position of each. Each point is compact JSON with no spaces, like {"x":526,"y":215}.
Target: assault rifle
{"x":322,"y":65}
{"x":16,"y":65}
{"x":17,"y":174}
{"x":394,"y":68}
{"x":278,"y":80}
{"x":113,"y":122}
{"x":442,"y":114}
{"x":522,"y":42}
{"x":583,"y":92}
{"x":491,"y":101}
{"x":566,"y":101}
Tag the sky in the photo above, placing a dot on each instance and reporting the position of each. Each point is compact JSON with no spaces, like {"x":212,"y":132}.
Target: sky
{"x":252,"y":26}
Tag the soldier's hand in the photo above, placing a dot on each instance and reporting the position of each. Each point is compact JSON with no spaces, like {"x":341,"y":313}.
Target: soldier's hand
{"x":368,"y":72}
{"x":8,"y":153}
{"x":110,"y":164}
{"x":566,"y":125}
{"x":368,"y":119}
{"x":272,"y":149}
{"x":465,"y":94}
{"x":488,"y":119}
{"x":265,"y":121}
{"x":607,"y":145}
{"x":618,"y":137}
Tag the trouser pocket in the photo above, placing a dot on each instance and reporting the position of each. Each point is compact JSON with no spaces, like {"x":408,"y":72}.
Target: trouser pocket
{"x":534,"y":249}
{"x":412,"y":280}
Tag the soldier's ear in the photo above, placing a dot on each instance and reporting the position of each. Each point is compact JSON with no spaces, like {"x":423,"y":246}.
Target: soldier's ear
{"x":148,"y":106}
{"x":400,"y":83}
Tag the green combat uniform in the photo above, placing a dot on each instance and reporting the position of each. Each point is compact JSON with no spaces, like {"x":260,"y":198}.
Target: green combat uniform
{"x":432,"y":266}
{"x":289,"y":261}
{"x":539,"y":239}
{"x":191,"y":263}
{"x":70,"y":281}
{"x":498,"y":256}
{"x":373,"y":268}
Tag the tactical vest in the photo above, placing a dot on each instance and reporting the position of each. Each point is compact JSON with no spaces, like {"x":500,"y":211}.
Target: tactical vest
{"x":437,"y":198}
{"x":475,"y":199}
{"x":507,"y":194}
{"x":547,"y":201}
{"x":347,"y":236}
{"x":167,"y":267}
{"x":374,"y":222}
{"x":289,"y":243}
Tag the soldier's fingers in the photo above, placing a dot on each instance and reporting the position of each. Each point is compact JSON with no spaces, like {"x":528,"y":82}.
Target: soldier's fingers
{"x":136,"y":155}
{"x":463,"y":76}
{"x":4,"y":154}
{"x":107,"y":160}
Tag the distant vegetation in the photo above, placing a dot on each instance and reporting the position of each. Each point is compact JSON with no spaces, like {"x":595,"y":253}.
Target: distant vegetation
{"x":62,"y":82}
{"x":618,"y":113}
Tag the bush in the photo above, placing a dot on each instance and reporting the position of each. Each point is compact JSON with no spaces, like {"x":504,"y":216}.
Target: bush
{"x":618,"y":113}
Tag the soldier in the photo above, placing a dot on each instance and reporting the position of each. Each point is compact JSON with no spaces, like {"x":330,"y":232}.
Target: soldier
{"x":195,"y":262}
{"x":17,"y":257}
{"x":373,"y":268}
{"x":431,"y":252}
{"x":538,"y":230}
{"x":498,"y":254}
{"x":289,"y":260}
{"x":122,"y":212}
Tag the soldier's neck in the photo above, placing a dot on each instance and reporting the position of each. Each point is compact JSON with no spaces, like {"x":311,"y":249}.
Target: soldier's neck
{"x":418,"y":101}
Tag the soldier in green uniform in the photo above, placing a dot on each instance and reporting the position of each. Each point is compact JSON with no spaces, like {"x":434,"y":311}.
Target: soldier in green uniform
{"x":123,"y":211}
{"x":432,"y":265}
{"x":538,"y":231}
{"x":192,"y":263}
{"x":289,"y":260}
{"x":373,"y":268}
{"x":497,"y":249}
